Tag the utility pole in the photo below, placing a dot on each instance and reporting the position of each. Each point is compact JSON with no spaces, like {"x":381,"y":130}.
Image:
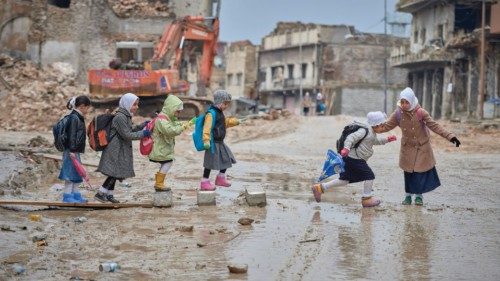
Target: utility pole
{"x":385,"y":56}
{"x":300,"y":67}
{"x":480,"y":98}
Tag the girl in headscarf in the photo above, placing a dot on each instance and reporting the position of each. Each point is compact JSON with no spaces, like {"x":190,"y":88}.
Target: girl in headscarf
{"x":416,"y":157}
{"x":74,"y":145}
{"x":117,"y":161}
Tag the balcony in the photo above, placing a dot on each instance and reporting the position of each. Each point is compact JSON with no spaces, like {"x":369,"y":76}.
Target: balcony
{"x":402,"y":56}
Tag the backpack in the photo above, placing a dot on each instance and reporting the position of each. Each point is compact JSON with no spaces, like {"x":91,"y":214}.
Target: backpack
{"x":146,"y":144}
{"x":349,"y":129}
{"x":198,"y":131}
{"x":59,"y":132}
{"x":98,"y":131}
{"x":420,"y":118}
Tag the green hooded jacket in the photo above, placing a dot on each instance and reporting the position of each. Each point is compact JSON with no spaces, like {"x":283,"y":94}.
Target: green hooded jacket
{"x":165,"y":131}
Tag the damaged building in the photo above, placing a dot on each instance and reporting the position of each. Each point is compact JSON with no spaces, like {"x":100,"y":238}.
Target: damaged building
{"x":89,"y":34}
{"x":443,"y":56}
{"x":241,"y":70}
{"x":336,"y":60}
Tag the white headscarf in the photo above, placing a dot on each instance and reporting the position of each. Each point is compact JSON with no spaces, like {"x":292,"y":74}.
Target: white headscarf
{"x":409,"y":96}
{"x":127,"y":100}
{"x":72,"y":102}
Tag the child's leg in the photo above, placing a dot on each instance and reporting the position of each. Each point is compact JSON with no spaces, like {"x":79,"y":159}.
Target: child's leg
{"x":333,"y":183}
{"x":367,"y":200}
{"x":205,"y":183}
{"x":77,"y":193}
{"x":160,"y":176}
{"x":165,"y":167}
{"x":206,"y":173}
{"x":68,"y":186}
{"x":368,"y":189}
{"x":68,"y":195}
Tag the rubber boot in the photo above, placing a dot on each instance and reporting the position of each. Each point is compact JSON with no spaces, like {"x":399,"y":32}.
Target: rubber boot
{"x":317,"y":190}
{"x":221,"y":180}
{"x":68,"y":198}
{"x":369,"y":202}
{"x":78,"y":197}
{"x":160,"y":182}
{"x":206,"y":185}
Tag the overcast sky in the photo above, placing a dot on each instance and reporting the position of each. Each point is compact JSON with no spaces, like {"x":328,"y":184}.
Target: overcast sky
{"x":253,"y":19}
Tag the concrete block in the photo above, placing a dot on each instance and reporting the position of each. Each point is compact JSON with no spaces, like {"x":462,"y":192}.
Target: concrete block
{"x":255,"y":197}
{"x":205,"y":198}
{"x":162,"y":198}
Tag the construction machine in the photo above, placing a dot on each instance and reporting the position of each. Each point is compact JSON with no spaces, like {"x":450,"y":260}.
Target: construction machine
{"x":164,"y":73}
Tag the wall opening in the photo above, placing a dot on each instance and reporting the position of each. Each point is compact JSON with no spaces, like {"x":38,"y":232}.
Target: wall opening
{"x":60,"y":3}
{"x":467,"y":17}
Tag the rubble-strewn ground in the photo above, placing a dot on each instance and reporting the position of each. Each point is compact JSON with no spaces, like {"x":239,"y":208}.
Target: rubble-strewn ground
{"x":454,"y":236}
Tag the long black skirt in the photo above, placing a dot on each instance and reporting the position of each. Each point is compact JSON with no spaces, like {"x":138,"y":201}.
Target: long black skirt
{"x":356,"y":170}
{"x":418,"y":183}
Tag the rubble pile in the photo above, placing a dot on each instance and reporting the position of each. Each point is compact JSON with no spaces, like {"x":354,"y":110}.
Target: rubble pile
{"x":141,"y":8}
{"x":464,"y":40}
{"x":36,"y":98}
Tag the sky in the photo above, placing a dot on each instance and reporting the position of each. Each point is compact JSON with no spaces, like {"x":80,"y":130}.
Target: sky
{"x":254,"y":19}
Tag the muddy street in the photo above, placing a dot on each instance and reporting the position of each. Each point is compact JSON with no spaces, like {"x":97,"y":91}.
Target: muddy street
{"x":454,"y":236}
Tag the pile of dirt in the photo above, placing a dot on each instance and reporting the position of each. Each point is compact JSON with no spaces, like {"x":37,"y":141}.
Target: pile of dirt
{"x":474,"y":137}
{"x":36,"y":97}
{"x":141,"y":8}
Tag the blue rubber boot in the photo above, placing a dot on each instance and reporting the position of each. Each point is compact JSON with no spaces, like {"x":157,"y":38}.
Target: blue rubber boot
{"x":79,"y":198}
{"x":69,"y":198}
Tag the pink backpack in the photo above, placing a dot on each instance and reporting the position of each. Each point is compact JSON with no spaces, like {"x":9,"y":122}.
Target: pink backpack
{"x":146,"y":145}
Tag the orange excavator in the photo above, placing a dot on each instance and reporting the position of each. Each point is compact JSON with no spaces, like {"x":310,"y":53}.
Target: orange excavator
{"x":161,"y":75}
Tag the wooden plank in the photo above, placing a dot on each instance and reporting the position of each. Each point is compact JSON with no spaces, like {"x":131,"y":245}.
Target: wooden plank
{"x":59,"y":158}
{"x":78,"y":205}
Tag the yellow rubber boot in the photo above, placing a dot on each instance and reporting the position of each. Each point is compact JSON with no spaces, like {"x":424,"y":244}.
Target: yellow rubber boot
{"x":159,"y":182}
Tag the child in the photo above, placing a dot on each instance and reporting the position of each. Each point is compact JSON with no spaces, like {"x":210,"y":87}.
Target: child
{"x":220,"y":156}
{"x":416,"y":158}
{"x":164,"y":133}
{"x":356,"y":168}
{"x":75,"y":144}
{"x":117,"y":161}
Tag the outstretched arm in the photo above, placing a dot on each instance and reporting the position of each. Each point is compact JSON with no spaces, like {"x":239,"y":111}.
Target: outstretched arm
{"x":390,"y":124}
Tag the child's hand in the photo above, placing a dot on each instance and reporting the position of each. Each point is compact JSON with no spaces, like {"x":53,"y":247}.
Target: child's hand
{"x":206,"y":146}
{"x":344,"y":152}
{"x":391,"y":138}
{"x":455,"y":141}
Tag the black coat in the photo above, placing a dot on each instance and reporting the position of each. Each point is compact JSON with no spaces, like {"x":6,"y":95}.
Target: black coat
{"x":76,"y":132}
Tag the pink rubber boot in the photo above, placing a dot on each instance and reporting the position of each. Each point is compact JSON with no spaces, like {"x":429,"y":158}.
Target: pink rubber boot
{"x":221,"y":180}
{"x":206,"y":185}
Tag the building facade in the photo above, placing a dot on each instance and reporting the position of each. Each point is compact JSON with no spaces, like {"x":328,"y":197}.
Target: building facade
{"x":241,"y":69}
{"x":443,"y":56}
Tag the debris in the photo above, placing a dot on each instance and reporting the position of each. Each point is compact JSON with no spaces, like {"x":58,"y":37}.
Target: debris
{"x":245,"y":221}
{"x":237,"y":268}
{"x":39,"y":237}
{"x":109,"y":267}
{"x":200,"y":266}
{"x":185,"y":228}
{"x":5,"y":227}
{"x":201,"y":244}
{"x":35,"y":217}
{"x":41,"y":243}
{"x":18,"y":269}
{"x":80,"y":219}
{"x":39,"y":141}
{"x":309,"y":240}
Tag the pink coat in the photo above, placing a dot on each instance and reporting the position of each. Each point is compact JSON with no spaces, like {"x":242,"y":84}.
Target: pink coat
{"x":416,"y":152}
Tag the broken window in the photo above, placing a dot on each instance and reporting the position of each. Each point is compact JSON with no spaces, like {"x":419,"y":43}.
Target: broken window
{"x":415,"y":36}
{"x":422,"y":36}
{"x":290,"y":71}
{"x":314,"y":70}
{"x":467,"y":17}
{"x":126,"y":55}
{"x":440,"y":31}
{"x":304,"y":70}
{"x":277,"y":72}
{"x":60,"y":3}
{"x":229,"y":79}
{"x":238,"y":79}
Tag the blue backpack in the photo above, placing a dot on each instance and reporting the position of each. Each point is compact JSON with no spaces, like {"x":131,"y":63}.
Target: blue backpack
{"x":60,"y":134}
{"x":198,"y":131}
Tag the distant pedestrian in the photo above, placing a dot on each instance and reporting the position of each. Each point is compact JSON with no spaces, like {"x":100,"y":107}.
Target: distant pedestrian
{"x":306,"y":104}
{"x":75,"y":144}
{"x":355,"y":159}
{"x":164,"y":133}
{"x":320,"y":104}
{"x":117,"y":161}
{"x":416,"y":158}
{"x":218,"y":156}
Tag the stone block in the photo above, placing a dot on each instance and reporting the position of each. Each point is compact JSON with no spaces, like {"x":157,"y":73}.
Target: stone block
{"x":255,"y":197}
{"x":162,"y":198}
{"x":205,"y":198}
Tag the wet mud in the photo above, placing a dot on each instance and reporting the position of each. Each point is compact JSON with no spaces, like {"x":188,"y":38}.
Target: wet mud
{"x":454,"y":236}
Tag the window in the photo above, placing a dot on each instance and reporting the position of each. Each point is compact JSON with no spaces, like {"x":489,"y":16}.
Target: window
{"x":440,"y":31}
{"x":147,"y":53}
{"x":229,"y":79}
{"x":238,"y":79}
{"x":314,"y":70}
{"x":60,"y":3}
{"x":126,"y":54}
{"x":277,"y":72}
{"x":415,"y":36}
{"x":304,"y":70}
{"x":290,"y":71}
{"x":422,"y":36}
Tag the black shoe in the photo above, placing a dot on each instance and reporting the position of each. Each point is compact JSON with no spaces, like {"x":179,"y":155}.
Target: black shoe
{"x":112,"y":199}
{"x":101,"y":197}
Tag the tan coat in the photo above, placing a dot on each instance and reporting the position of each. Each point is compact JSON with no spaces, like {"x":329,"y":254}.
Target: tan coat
{"x":416,"y":152}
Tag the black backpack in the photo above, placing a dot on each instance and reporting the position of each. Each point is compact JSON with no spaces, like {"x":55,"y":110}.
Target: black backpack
{"x":349,"y":129}
{"x":60,"y":134}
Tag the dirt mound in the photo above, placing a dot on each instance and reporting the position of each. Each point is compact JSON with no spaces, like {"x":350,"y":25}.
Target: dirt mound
{"x":141,"y":8}
{"x":36,"y":97}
